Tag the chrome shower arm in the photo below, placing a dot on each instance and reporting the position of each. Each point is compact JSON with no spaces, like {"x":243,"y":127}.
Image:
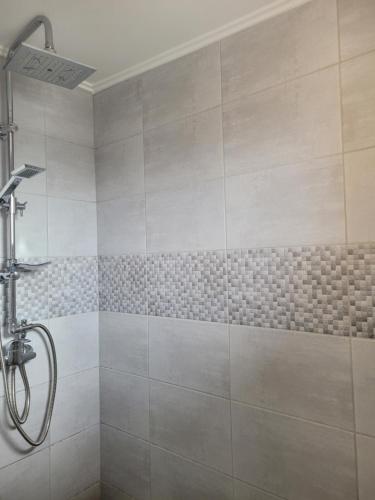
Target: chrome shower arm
{"x":29,"y":29}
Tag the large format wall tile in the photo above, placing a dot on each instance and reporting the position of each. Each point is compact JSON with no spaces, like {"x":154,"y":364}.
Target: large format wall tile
{"x":72,"y":228}
{"x":124,"y":342}
{"x":121,"y":225}
{"x":124,"y":402}
{"x":358,"y":100}
{"x":32,"y":230}
{"x":185,"y":152}
{"x":70,"y":170}
{"x":29,"y":103}
{"x":118,"y":112}
{"x":356,"y":19}
{"x":119,"y":169}
{"x":188,"y":285}
{"x":300,"y":204}
{"x":366,"y":468}
{"x":186,"y":219}
{"x":284,"y":47}
{"x":28,"y":478}
{"x":291,"y":457}
{"x":125,"y":462}
{"x":303,"y":375}
{"x":122,"y":284}
{"x":182,"y":87}
{"x":29,"y":148}
{"x":359,"y":189}
{"x":192,"y":424}
{"x":110,"y":493}
{"x":190,"y":353}
{"x":363,"y":379}
{"x":243,"y":491}
{"x":291,"y":123}
{"x":67,"y":478}
{"x":174,"y":478}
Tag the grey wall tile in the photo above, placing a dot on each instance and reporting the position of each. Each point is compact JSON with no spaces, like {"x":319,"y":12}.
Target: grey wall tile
{"x":174,"y":478}
{"x":29,"y":103}
{"x":70,"y":170}
{"x":125,"y":462}
{"x":72,"y":228}
{"x":111,"y":493}
{"x":364,"y":378}
{"x":69,"y":115}
{"x":92,"y":493}
{"x":359,"y":187}
{"x":290,"y":123}
{"x":366,"y":458}
{"x":67,"y":480}
{"x":243,"y":491}
{"x":77,"y":404}
{"x":192,"y":424}
{"x":124,"y":342}
{"x":30,"y":148}
{"x":292,"y":458}
{"x":70,"y":333}
{"x":299,"y":204}
{"x":186,"y":219}
{"x":190,"y":353}
{"x":119,"y":169}
{"x":28,"y":478}
{"x":121,"y":225}
{"x":32,"y":227}
{"x":124,"y":402}
{"x":356,"y":27}
{"x":300,"y":374}
{"x":182,"y":87}
{"x":185,"y":152}
{"x":358,"y":100}
{"x":118,"y":112}
{"x":297,"y":42}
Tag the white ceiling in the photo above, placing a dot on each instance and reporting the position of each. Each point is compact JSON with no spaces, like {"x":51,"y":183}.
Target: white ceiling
{"x":124,"y":37}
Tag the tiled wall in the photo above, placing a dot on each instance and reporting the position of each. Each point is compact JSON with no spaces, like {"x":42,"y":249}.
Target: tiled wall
{"x":56,"y":132}
{"x":236,"y":266}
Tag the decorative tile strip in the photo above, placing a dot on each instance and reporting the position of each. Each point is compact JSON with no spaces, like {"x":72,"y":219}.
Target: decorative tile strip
{"x":188,"y":285}
{"x":122,"y":284}
{"x":73,"y":285}
{"x":32,"y":292}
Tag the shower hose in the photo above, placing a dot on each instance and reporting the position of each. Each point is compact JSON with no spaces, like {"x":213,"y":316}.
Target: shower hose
{"x":10,"y":388}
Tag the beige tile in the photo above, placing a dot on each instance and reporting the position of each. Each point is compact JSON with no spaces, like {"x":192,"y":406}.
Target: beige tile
{"x":358,"y":99}
{"x":119,"y":169}
{"x":125,"y":463}
{"x":193,"y":354}
{"x":290,"y":123}
{"x":292,"y":458}
{"x":124,"y":402}
{"x":305,"y":375}
{"x":118,"y":112}
{"x":356,"y":21}
{"x":186,"y":219}
{"x":360,"y":201}
{"x":364,"y":380}
{"x":292,"y":205}
{"x":121,"y":225}
{"x":192,"y":424}
{"x":366,"y":467}
{"x":174,"y":478}
{"x":289,"y":45}
{"x":184,"y":152}
{"x":182,"y":87}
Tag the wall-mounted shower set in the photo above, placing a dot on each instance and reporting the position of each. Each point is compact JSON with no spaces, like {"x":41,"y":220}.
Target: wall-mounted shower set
{"x":46,"y":66}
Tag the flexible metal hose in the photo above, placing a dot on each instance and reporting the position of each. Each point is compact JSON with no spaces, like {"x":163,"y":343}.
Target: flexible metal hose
{"x":10,"y":396}
{"x":13,"y":392}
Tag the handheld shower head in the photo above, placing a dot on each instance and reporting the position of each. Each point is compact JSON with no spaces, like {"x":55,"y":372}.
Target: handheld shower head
{"x":17,"y":175}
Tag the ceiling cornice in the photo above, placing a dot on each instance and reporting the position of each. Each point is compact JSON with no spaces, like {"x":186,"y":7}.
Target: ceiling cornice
{"x":267,"y":12}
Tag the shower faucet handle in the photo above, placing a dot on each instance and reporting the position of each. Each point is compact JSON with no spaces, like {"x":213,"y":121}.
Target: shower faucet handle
{"x":27,"y":268}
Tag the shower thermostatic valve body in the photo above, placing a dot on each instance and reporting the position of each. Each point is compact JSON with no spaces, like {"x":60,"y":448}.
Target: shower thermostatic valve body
{"x":18,"y":351}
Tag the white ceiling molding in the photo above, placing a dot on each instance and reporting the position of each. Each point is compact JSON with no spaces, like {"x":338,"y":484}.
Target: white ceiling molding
{"x":274,"y":9}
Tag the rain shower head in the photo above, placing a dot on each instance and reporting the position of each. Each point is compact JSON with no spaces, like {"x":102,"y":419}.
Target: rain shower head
{"x":47,"y":66}
{"x":17,"y":175}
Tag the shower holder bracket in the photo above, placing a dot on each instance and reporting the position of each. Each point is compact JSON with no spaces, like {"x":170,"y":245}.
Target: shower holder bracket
{"x":6,"y":129}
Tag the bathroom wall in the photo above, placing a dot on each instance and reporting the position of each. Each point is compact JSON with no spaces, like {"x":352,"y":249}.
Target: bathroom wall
{"x":237,"y":266}
{"x":59,"y":225}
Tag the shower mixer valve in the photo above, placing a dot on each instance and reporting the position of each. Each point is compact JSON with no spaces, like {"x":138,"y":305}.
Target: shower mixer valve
{"x":18,"y":352}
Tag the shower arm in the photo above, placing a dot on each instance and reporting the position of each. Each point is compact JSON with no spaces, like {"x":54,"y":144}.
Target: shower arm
{"x":29,"y":29}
